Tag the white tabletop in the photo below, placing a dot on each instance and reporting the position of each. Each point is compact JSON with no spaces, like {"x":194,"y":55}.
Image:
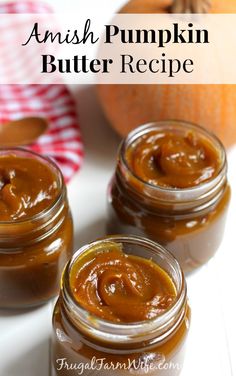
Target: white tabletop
{"x":24,"y":336}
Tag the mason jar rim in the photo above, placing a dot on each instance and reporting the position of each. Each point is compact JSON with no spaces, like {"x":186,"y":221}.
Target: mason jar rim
{"x":199,"y":189}
{"x":52,"y":165}
{"x":128,"y":332}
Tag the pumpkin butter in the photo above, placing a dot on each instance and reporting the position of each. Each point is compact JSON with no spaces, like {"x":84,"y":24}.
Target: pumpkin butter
{"x":167,"y":159}
{"x":123,"y":301}
{"x":27,"y":187}
{"x":119,"y":287}
{"x":170,"y":185}
{"x":36,"y":232}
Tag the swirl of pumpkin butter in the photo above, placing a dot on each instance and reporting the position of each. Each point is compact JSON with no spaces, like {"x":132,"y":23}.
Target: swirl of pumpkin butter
{"x":121,"y":288}
{"x":27,"y":187}
{"x":172,"y":160}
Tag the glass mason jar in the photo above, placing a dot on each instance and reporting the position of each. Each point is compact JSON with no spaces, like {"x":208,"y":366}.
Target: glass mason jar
{"x":84,"y":344}
{"x":34,"y":251}
{"x":189,"y":222}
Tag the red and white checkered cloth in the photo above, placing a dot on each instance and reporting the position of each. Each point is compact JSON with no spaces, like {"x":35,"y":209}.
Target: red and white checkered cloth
{"x":62,"y":142}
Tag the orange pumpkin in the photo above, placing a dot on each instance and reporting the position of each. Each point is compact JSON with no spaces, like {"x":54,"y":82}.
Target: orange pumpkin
{"x":212,"y":106}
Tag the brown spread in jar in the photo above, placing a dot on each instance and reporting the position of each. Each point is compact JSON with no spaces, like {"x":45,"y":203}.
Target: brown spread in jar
{"x":123,"y":299}
{"x":171,"y":160}
{"x":36,"y":230}
{"x":170,"y":185}
{"x":27,"y":187}
{"x":119,"y":287}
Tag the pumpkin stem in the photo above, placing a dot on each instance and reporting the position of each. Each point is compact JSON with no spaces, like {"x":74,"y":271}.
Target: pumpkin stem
{"x":191,"y":6}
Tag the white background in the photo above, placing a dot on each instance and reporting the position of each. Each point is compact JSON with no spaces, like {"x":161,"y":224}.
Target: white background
{"x":211,"y":348}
